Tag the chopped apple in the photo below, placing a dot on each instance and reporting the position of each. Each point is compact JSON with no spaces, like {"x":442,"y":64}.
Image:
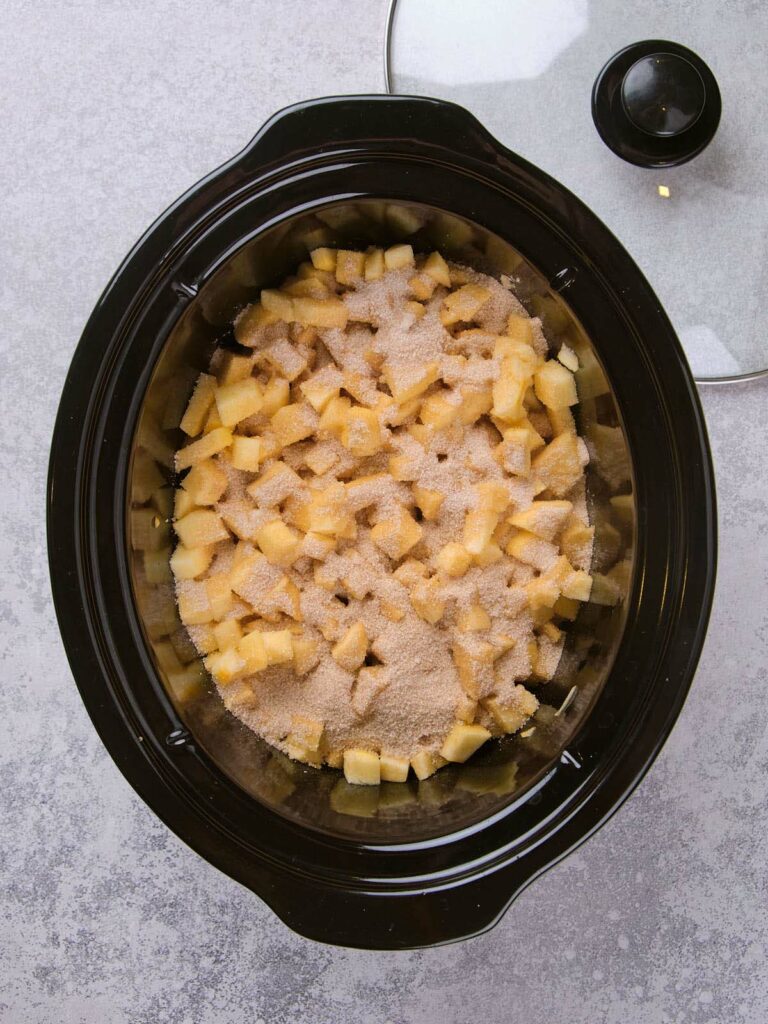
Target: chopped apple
{"x":577,"y":585}
{"x":558,"y":465}
{"x":246,"y":453}
{"x":275,"y":396}
{"x":513,"y":716}
{"x":491,"y":553}
{"x":225,"y":666}
{"x":251,"y":649}
{"x":394,"y":769}
{"x":210,"y":444}
{"x":396,"y":536}
{"x":374,"y":265}
{"x":321,"y":388}
{"x":238,"y":401}
{"x":293,"y":423}
{"x":286,"y":359}
{"x":555,"y":385}
{"x":183,"y":503}
{"x":278,"y":646}
{"x":436,"y":267}
{"x":439,"y":410}
{"x":462,"y":742}
{"x":227,"y":634}
{"x":422,"y":286}
{"x":219,"y":592}
{"x":351,"y":650}
{"x":473,"y":619}
{"x":520,"y":328}
{"x":188,"y":563}
{"x":330,"y":312}
{"x":568,"y":358}
{"x":276,"y":483}
{"x":508,"y":394}
{"x":362,"y":767}
{"x":205,"y":482}
{"x":463,"y":304}
{"x":478,"y":529}
{"x":349,"y":266}
{"x":426,"y":763}
{"x":398,"y":256}
{"x":474,"y":404}
{"x":323,"y":259}
{"x":453,"y":559}
{"x":202,"y":398}
{"x":306,"y":654}
{"x":361,"y":432}
{"x":561,"y":421}
{"x":545,"y":519}
{"x":407,"y":381}
{"x":427,"y":500}
{"x":532,"y":550}
{"x":426,"y":601}
{"x":335,"y":416}
{"x":280,"y":544}
{"x":200,"y":528}
{"x":277,"y":303}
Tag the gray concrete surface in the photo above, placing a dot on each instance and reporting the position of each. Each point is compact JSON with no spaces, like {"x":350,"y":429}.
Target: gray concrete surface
{"x":109,"y":111}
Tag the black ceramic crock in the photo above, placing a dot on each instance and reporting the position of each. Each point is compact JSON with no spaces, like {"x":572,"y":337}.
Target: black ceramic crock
{"x":401,"y":866}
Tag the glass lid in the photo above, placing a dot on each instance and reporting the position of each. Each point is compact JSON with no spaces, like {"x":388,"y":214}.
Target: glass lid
{"x":622,"y":104}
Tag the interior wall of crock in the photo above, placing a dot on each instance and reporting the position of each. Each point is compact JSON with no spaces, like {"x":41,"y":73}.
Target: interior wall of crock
{"x":502,"y":770}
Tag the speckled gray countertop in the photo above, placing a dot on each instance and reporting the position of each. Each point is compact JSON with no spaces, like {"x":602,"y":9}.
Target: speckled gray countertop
{"x":110,"y":110}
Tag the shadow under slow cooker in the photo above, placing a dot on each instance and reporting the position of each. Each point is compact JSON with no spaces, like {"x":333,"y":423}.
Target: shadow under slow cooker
{"x":458,"y":796}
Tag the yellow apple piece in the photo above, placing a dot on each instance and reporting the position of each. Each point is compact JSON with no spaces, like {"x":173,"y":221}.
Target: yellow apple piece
{"x":280,"y":544}
{"x":227,"y":634}
{"x":246,"y":453}
{"x":427,"y":500}
{"x":394,"y":769}
{"x":294,"y":423}
{"x":544,"y":518}
{"x":188,"y":563}
{"x":238,"y":401}
{"x":278,"y":646}
{"x":330,"y":312}
{"x":453,"y":559}
{"x":398,"y":256}
{"x":396,"y":536}
{"x":225,"y":666}
{"x":558,"y":465}
{"x":361,"y":432}
{"x":251,"y":649}
{"x":463,"y":304}
{"x":555,"y":386}
{"x":436,"y":267}
{"x":200,"y":528}
{"x":202,"y":398}
{"x":374,"y":265}
{"x":205,"y":482}
{"x":323,"y":259}
{"x":362,"y":767}
{"x":426,"y":763}
{"x":349,"y":266}
{"x":351,"y":650}
{"x":462,"y":742}
{"x":473,"y":619}
{"x":210,"y":444}
{"x":478,"y":529}
{"x":409,"y":380}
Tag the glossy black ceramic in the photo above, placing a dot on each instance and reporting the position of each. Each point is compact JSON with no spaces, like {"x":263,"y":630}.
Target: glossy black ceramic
{"x":398,"y":866}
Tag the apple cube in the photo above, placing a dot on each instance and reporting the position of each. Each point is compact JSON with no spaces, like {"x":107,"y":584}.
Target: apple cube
{"x":361,"y":432}
{"x":478,"y":529}
{"x":398,"y":256}
{"x":508,"y":394}
{"x":374,"y":265}
{"x":251,"y":649}
{"x":555,"y":385}
{"x":234,"y":367}
{"x":210,"y":444}
{"x":426,"y":763}
{"x":275,"y":396}
{"x":278,"y":646}
{"x":545,"y":519}
{"x":323,"y":259}
{"x":398,"y":535}
{"x":362,"y":767}
{"x":558,"y":465}
{"x":276,"y":483}
{"x":202,"y":398}
{"x":532,"y":550}
{"x":227,"y":634}
{"x":428,"y":501}
{"x":280,"y":544}
{"x":577,"y":585}
{"x":491,"y":553}
{"x":351,"y":650}
{"x":320,"y":388}
{"x":334,"y":416}
{"x":194,"y":609}
{"x":462,"y":742}
{"x":200,"y":528}
{"x":205,"y":482}
{"x":225,"y":666}
{"x":306,"y":654}
{"x":561,"y":421}
{"x":474,"y":404}
{"x":426,"y":601}
{"x":277,"y":303}
{"x":330,"y":312}
{"x":182,"y":503}
{"x":246,"y":453}
{"x":453,"y":559}
{"x":463,"y":304}
{"x":473,"y":619}
{"x":436,"y":267}
{"x":520,"y":328}
{"x":219,"y":592}
{"x":407,"y":381}
{"x":394,"y":769}
{"x":512,"y":716}
{"x":238,"y":401}
{"x":349,"y":266}
{"x":293,"y":423}
{"x":188,"y":563}
{"x":439,"y":410}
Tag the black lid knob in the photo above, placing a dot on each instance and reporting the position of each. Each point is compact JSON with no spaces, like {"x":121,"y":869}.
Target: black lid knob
{"x":656,"y":104}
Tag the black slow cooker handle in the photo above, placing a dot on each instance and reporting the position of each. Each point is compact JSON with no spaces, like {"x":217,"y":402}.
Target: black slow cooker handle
{"x":374,"y":122}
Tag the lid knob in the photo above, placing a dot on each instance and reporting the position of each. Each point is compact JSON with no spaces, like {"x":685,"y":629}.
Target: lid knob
{"x":656,"y":104}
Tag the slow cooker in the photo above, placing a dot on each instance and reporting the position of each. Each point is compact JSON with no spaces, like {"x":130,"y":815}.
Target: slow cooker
{"x":393,"y":866}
